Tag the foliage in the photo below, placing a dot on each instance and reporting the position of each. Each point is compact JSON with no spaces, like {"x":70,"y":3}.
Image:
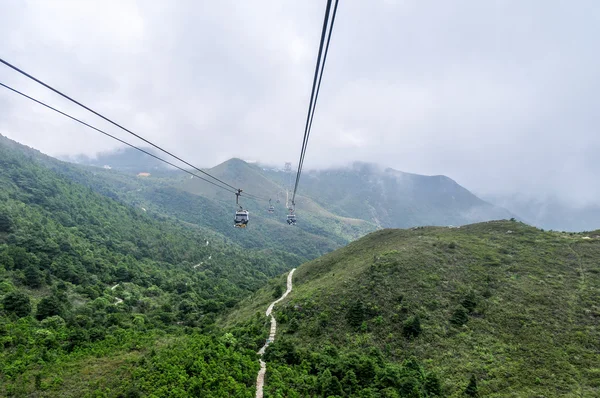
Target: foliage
{"x":17,"y":303}
{"x":412,"y":327}
{"x":103,"y":278}
{"x":521,"y":300}
{"x":277,"y":291}
{"x":356,"y":314}
{"x":471,"y":389}
{"x":459,"y":316}
{"x":296,"y":372}
{"x":49,"y":306}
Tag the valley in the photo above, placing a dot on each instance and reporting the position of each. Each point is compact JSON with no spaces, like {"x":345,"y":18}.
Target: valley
{"x":275,"y":199}
{"x":118,"y":285}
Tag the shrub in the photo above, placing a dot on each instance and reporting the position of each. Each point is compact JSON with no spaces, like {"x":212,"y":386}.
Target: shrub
{"x":293,"y":326}
{"x":5,"y":223}
{"x":459,"y":317}
{"x":277,"y":292}
{"x":17,"y":303}
{"x":412,"y":327}
{"x":33,"y":277}
{"x":433,"y":386}
{"x":469,"y":302}
{"x":49,"y":306}
{"x":471,"y":389}
{"x":356,"y":314}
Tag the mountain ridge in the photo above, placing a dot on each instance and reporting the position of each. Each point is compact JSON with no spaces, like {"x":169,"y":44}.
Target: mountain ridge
{"x":414,"y":194}
{"x":506,"y":304}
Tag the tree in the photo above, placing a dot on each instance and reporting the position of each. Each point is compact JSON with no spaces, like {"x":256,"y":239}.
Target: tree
{"x":471,"y":389}
{"x":6,"y":287}
{"x":49,"y":306}
{"x":350,"y":383}
{"x":187,"y":306}
{"x":6,"y":260}
{"x":277,"y":292}
{"x":17,"y":303}
{"x":412,"y":327}
{"x":460,"y":316}
{"x":33,"y":277}
{"x":290,"y":355}
{"x":433,"y":386}
{"x":5,"y":223}
{"x":356,"y":314}
{"x":470,"y":302}
{"x":330,"y":385}
{"x":293,"y":326}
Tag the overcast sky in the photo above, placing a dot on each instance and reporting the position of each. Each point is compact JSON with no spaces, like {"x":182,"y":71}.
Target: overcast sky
{"x":501,"y":96}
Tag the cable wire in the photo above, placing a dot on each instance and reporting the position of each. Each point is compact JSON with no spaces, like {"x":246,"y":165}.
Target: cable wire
{"x":112,"y":136}
{"x":320,"y":67}
{"x":112,"y":122}
{"x":312,"y":96}
{"x":301,"y":164}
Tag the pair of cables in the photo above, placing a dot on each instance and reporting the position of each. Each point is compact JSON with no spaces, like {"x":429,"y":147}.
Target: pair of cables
{"x":213,"y":180}
{"x":327,"y":29}
{"x":328,"y":22}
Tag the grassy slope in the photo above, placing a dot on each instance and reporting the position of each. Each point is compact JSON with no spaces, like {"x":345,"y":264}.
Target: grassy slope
{"x":315,"y":218}
{"x":534,"y":331}
{"x":199,"y":203}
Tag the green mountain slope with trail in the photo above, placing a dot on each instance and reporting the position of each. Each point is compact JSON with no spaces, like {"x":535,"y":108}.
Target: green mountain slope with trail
{"x":500,"y":308}
{"x":98,"y":298}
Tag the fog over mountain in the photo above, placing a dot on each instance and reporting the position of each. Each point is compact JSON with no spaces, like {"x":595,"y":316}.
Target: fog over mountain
{"x":500,"y":96}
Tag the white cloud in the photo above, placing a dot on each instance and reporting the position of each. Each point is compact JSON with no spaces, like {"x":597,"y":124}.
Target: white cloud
{"x":500,"y":96}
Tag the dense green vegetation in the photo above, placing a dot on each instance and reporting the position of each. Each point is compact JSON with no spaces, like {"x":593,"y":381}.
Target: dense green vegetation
{"x":86,"y":280}
{"x":496,"y":309}
{"x":333,"y":372}
{"x":175,"y":195}
{"x":111,"y":286}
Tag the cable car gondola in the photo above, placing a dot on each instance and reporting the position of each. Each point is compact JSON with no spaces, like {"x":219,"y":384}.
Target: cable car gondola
{"x":271,"y":209}
{"x":241,"y":216}
{"x":291,"y":218}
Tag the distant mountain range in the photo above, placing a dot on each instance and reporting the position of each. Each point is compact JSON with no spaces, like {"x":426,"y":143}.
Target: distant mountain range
{"x":383,"y":197}
{"x":551,"y":212}
{"x":367,"y":192}
{"x":393,"y":199}
{"x":127,"y":160}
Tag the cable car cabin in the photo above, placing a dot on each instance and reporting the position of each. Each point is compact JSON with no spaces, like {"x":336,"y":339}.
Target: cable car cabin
{"x":291,"y":219}
{"x":271,"y":209}
{"x":241,"y":219}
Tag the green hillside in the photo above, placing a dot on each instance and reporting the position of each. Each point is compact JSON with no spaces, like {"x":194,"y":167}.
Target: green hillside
{"x":315,"y":222}
{"x":166,"y":195}
{"x":113,"y":286}
{"x":175,"y":195}
{"x":102,"y":299}
{"x":334,"y":206}
{"x":505,"y":306}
